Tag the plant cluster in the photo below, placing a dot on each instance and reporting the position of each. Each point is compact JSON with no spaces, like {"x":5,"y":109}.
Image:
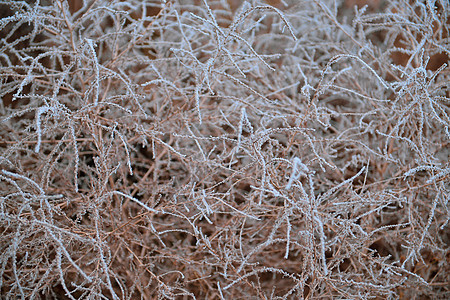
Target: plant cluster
{"x":220,"y":149}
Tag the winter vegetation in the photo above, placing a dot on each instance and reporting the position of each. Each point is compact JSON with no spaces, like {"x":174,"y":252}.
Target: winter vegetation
{"x":223,"y":149}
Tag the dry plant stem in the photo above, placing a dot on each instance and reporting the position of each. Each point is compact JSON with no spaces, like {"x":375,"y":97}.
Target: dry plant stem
{"x":219,"y":149}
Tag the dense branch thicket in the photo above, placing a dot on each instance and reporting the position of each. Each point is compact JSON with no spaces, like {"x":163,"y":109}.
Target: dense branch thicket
{"x":219,"y":149}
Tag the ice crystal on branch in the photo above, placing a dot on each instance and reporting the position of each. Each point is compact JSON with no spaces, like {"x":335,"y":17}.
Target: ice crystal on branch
{"x":220,"y":149}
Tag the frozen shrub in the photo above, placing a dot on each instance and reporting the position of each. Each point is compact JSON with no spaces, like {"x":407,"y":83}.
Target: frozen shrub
{"x":224,"y":149}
